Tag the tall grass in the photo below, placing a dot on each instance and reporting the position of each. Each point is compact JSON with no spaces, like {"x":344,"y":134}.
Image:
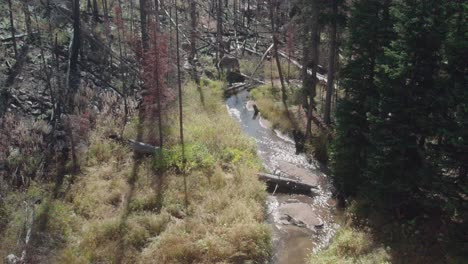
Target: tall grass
{"x":143,"y":219}
{"x":352,"y":246}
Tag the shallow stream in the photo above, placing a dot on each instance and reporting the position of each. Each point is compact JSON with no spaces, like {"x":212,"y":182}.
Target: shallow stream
{"x":293,"y":241}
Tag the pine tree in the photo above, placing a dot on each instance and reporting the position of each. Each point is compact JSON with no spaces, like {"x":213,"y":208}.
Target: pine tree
{"x":370,"y":29}
{"x":406,"y":115}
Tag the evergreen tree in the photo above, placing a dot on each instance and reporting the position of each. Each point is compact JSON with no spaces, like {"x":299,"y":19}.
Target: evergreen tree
{"x":370,"y":29}
{"x":407,"y":113}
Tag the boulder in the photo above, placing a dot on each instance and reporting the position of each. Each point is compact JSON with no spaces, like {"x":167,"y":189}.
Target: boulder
{"x":299,"y":214}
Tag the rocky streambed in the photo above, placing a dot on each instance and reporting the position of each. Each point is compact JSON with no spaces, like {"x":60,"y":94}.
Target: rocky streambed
{"x":304,"y":223}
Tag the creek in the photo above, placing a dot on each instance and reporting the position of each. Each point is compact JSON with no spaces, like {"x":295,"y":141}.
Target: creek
{"x":302,"y":224}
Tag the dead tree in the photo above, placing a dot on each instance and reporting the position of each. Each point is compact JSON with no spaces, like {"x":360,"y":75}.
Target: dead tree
{"x":95,"y":11}
{"x":219,"y":32}
{"x":181,"y":114}
{"x":144,"y":25}
{"x":310,"y":82}
{"x":273,"y":4}
{"x":193,"y":47}
{"x":12,"y":28}
{"x":331,"y":63}
{"x":27,"y":18}
{"x":73,"y":75}
{"x":158,"y":86}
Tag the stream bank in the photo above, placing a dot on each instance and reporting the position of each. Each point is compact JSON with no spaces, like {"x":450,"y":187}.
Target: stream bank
{"x":302,"y":224}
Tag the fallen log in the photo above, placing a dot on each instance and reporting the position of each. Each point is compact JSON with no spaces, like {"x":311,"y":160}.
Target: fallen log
{"x":320,"y":77}
{"x":236,"y":87}
{"x":252,"y":78}
{"x":262,"y":59}
{"x":286,"y":183}
{"x":136,"y":146}
{"x":19,"y":36}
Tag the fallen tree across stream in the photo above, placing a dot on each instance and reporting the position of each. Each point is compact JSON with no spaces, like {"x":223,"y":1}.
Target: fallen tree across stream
{"x":287,"y":183}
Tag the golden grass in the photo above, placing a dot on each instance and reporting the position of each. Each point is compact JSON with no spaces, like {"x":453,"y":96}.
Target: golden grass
{"x":352,"y":246}
{"x":144,"y":220}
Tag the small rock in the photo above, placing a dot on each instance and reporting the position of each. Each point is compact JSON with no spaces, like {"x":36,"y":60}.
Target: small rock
{"x":319,"y":225}
{"x":292,"y":201}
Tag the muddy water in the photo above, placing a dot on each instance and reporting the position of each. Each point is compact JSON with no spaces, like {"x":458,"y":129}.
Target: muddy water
{"x":292,"y":243}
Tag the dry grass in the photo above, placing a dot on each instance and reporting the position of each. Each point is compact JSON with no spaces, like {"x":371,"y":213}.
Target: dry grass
{"x":352,"y":246}
{"x":120,"y":210}
{"x":144,"y":220}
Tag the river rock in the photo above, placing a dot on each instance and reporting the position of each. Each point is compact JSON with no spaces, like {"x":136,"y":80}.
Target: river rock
{"x":292,"y":200}
{"x":299,"y":214}
{"x":293,"y":171}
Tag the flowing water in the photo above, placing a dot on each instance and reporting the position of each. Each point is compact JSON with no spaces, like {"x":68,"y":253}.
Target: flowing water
{"x":292,"y":244}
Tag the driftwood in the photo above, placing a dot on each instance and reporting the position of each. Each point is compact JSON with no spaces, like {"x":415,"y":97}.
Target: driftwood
{"x":287,"y":183}
{"x":136,"y":146}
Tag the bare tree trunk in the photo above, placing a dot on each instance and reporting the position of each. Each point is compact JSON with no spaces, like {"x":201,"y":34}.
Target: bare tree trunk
{"x":219,"y":29}
{"x":275,"y":49}
{"x":95,"y":11}
{"x":193,"y":48}
{"x":121,"y":36}
{"x":181,"y":122}
{"x":27,"y":18}
{"x":314,"y":47}
{"x":12,"y":28}
{"x":331,"y":64}
{"x":144,"y":25}
{"x":157,"y":64}
{"x":73,"y":75}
